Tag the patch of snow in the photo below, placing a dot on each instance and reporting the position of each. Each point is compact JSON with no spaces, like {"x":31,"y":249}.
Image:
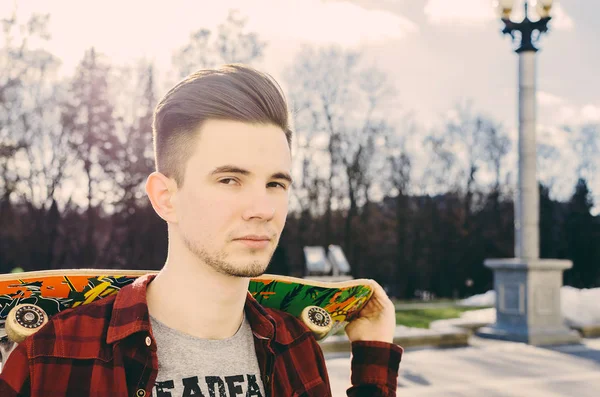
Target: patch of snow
{"x":579,"y":307}
{"x":480,"y":316}
{"x":487,"y":299}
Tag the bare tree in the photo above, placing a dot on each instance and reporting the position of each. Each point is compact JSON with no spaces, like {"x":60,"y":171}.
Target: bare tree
{"x":319,"y":82}
{"x":234,"y":45}
{"x":133,"y":150}
{"x":133,"y":162}
{"x":23,"y":71}
{"x":547,"y":156}
{"x":231,"y":44}
{"x":396,"y":182}
{"x":496,"y":146}
{"x":469,"y":143}
{"x":35,"y":153}
{"x":338,"y":114}
{"x":307,"y":190}
{"x":586,"y":145}
{"x":360,"y":145}
{"x":466,"y":133}
{"x":87,"y":116}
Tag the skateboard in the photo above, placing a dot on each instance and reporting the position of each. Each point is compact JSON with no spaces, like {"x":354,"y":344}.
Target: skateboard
{"x":28,"y":299}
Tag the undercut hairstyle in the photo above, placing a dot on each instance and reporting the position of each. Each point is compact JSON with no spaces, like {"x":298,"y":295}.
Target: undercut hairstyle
{"x":232,"y":92}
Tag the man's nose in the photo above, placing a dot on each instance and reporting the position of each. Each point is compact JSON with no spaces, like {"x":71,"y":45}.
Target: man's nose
{"x":260,"y":206}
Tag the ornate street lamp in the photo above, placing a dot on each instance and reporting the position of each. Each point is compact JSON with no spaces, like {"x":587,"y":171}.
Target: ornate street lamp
{"x":526,"y":27}
{"x":527,"y":287}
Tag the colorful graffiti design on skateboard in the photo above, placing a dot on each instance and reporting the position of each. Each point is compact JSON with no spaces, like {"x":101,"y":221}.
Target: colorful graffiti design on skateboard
{"x":28,"y":299}
{"x":57,"y":293}
{"x":341,"y":300}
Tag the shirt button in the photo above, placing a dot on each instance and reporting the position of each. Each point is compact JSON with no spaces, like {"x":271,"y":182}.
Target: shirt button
{"x":148,"y":343}
{"x":140,"y":393}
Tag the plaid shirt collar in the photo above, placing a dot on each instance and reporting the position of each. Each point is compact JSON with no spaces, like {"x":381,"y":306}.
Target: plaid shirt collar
{"x":130,"y":315}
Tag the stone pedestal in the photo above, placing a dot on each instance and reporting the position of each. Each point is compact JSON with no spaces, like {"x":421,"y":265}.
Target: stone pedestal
{"x":528,"y":302}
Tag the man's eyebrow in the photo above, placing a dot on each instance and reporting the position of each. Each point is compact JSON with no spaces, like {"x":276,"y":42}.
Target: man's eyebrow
{"x":232,"y":169}
{"x":284,"y":176}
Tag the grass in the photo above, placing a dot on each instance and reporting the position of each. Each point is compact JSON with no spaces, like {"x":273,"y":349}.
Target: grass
{"x":409,"y":301}
{"x":421,"y":318}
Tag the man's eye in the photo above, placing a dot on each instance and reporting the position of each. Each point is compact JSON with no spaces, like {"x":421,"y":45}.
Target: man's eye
{"x":277,"y":184}
{"x":227,"y":181}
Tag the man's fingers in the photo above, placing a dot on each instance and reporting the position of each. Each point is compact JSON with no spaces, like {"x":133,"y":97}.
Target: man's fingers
{"x":380,"y":296}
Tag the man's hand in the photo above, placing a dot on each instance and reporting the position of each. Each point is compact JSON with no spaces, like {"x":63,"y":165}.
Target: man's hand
{"x":376,"y":321}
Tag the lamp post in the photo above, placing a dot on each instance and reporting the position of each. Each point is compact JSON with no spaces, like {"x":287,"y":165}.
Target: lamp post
{"x":527,"y":287}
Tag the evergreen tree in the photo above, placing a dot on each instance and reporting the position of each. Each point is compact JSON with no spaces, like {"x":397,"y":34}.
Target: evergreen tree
{"x":581,"y":229}
{"x":552,"y":242}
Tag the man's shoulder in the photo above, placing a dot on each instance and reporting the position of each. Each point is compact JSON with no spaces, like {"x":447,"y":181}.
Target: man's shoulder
{"x":95,"y":312}
{"x":78,"y":332}
{"x":301,"y":355}
{"x":289,"y":328}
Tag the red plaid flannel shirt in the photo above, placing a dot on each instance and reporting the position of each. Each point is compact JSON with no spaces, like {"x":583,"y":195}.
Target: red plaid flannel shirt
{"x":107,"y":349}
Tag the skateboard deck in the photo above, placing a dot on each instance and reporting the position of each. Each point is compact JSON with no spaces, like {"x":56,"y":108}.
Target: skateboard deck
{"x":330,"y":304}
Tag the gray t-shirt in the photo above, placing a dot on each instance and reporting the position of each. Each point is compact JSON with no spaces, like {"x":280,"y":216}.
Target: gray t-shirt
{"x":189,"y":366}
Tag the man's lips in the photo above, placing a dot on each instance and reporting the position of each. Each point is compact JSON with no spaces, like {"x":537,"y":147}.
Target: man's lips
{"x":254,"y":237}
{"x":255,"y":241}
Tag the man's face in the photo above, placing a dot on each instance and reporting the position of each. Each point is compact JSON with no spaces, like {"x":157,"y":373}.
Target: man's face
{"x":232,"y":206}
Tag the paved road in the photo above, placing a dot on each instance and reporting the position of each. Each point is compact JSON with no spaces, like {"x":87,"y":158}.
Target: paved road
{"x":491,"y":369}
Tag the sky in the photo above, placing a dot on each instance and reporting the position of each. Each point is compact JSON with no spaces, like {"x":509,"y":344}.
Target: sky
{"x":436,"y":52}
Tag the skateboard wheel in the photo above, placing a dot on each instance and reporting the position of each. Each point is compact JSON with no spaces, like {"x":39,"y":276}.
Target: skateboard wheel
{"x":24,"y":320}
{"x":317,"y":320}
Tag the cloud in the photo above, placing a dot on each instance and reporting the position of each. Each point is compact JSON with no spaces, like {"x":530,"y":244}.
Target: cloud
{"x":553,"y":135}
{"x":125,"y":30}
{"x":591,"y":113}
{"x":560,"y":19}
{"x":480,"y":12}
{"x":578,"y":115}
{"x":546,"y":99}
{"x":459,"y":11}
{"x":319,"y":22}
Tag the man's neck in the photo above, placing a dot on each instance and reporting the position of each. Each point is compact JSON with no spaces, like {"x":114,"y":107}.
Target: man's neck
{"x":198,"y":301}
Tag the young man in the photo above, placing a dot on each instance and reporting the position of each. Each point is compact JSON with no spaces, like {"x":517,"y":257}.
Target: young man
{"x":222,"y":148}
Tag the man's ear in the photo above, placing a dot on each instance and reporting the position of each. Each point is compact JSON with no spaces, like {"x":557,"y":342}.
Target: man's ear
{"x":161,"y":192}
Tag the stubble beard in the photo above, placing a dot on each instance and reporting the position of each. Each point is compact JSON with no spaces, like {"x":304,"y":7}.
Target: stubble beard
{"x":218,"y":262}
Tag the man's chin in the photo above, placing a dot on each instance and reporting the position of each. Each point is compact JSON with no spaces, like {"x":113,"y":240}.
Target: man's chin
{"x":245,"y":273}
{"x":242,"y":264}
{"x":244,"y":269}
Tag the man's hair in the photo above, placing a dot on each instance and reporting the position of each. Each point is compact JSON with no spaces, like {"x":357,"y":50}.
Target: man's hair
{"x":232,"y":92}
